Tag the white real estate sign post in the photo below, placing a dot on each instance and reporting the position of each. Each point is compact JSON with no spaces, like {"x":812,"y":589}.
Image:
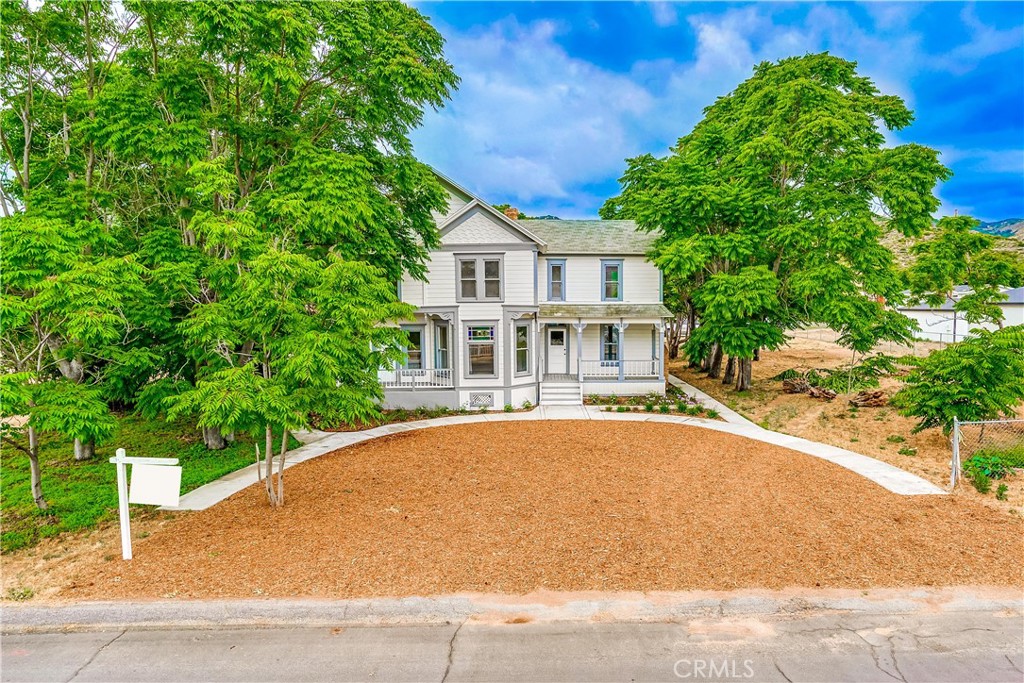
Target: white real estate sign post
{"x":155,"y":481}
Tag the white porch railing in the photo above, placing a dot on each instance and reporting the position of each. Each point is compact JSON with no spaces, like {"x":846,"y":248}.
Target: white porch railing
{"x":426,"y":378}
{"x":609,"y":369}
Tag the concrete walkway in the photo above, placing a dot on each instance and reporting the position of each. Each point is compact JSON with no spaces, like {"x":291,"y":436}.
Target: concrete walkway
{"x":910,"y":635}
{"x":319,"y":443}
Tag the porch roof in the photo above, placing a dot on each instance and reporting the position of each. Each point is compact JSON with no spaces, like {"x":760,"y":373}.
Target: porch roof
{"x":616,"y":310}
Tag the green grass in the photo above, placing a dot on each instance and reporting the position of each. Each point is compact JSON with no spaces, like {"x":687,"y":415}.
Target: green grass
{"x":84,"y":494}
{"x":1012,"y":456}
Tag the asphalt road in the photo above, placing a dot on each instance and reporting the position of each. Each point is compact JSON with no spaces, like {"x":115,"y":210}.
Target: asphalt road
{"x":978,"y":645}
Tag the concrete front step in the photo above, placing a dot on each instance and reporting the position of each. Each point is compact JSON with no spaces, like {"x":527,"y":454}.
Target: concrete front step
{"x":561,"y":394}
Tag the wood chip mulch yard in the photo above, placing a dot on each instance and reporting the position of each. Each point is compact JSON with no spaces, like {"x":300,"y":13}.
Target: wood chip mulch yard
{"x":567,"y":506}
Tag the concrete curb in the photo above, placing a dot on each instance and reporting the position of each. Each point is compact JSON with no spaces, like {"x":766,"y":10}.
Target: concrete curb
{"x":496,"y":608}
{"x":320,"y":443}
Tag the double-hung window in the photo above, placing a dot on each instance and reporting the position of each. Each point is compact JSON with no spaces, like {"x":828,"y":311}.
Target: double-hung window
{"x":611,"y":280}
{"x":522,"y":348}
{"x":479,"y":278}
{"x":441,"y":353}
{"x":414,"y":349}
{"x":556,"y":280}
{"x":609,"y":344}
{"x":480,"y":349}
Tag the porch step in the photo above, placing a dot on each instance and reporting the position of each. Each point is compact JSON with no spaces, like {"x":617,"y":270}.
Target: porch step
{"x":561,"y":394}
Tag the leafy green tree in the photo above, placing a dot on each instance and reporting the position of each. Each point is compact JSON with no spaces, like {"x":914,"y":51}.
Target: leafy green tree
{"x":956,"y":254}
{"x":159,"y":155}
{"x":70,"y":285}
{"x":979,"y":378}
{"x":784,"y":175}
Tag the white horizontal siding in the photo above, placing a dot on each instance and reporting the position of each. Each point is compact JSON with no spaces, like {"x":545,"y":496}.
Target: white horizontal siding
{"x":440,"y":286}
{"x":641,"y":282}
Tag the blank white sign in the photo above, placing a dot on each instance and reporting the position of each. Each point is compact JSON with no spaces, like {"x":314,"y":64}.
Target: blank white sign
{"x":155,"y":485}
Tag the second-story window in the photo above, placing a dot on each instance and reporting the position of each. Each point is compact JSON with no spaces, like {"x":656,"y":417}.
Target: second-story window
{"x":611,"y":280}
{"x":556,"y":280}
{"x":479,"y":278}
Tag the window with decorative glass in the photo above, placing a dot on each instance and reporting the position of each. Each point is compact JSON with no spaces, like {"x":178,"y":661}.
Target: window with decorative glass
{"x":480,"y":345}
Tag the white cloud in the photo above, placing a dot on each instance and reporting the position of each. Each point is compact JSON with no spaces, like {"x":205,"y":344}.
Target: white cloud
{"x":529,"y":123}
{"x":664,"y":14}
{"x":536,"y":126}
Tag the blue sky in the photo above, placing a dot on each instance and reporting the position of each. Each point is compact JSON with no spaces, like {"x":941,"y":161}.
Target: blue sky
{"x":556,"y":95}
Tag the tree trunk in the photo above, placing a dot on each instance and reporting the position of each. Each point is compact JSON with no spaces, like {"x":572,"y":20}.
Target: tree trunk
{"x":269,"y":464}
{"x":730,"y":371}
{"x":280,"y":468}
{"x":214,"y":439}
{"x":36,"y":476}
{"x":744,"y":370}
{"x":84,"y":450}
{"x":715,"y":365}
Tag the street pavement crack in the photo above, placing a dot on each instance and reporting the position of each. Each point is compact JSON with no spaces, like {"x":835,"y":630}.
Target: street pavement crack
{"x":451,"y":651}
{"x":1015,"y":667}
{"x":781,"y":672}
{"x":96,"y":654}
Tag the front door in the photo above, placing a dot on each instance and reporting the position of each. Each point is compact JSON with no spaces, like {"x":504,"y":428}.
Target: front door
{"x":558,"y":359}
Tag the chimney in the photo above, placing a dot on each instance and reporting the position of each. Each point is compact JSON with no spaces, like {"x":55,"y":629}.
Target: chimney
{"x":512,"y":212}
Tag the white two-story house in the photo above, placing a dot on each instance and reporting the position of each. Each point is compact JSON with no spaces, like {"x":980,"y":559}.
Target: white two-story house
{"x":539,"y":311}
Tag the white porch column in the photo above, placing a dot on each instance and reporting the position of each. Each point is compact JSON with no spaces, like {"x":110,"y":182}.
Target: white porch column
{"x":579,"y":349}
{"x":661,"y":350}
{"x":621,"y":327}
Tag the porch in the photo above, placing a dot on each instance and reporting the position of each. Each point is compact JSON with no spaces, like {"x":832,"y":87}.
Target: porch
{"x":585,"y":344}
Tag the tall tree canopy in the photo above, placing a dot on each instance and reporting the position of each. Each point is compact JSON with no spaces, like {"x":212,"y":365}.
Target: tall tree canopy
{"x":770,"y":209}
{"x":207,"y":205}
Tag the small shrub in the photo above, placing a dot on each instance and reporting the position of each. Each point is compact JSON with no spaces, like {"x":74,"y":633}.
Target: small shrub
{"x":907,"y":450}
{"x":649,"y":407}
{"x":693,"y":410}
{"x":608,"y":409}
{"x":895,"y":438}
{"x":527,"y":405}
{"x":992,"y":466}
{"x":982,"y":483}
{"x":509,"y":408}
{"x":664,"y":408}
{"x":711,"y":412}
{"x":854,"y":439}
{"x":622,"y":409}
{"x":19,"y":594}
{"x":1001,"y":492}
{"x":681,"y":407}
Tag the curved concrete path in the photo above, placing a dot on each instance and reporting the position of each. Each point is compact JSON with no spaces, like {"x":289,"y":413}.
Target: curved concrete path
{"x":320,"y":443}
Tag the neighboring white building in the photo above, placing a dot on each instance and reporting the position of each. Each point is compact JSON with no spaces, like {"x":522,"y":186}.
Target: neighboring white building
{"x":943,"y":324}
{"x":538,"y":311}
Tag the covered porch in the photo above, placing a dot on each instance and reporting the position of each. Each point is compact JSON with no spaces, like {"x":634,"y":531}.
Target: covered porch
{"x":600,"y":344}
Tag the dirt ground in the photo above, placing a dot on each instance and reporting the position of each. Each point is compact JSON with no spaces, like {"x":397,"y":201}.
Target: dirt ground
{"x":564,"y":506}
{"x":878,"y":432}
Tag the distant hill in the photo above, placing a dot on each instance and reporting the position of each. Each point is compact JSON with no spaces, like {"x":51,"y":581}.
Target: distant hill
{"x":1008,"y":227}
{"x":900,"y":245}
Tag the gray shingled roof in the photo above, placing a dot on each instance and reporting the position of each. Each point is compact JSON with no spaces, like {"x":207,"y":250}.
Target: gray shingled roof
{"x":591,"y":237}
{"x":604,"y":311}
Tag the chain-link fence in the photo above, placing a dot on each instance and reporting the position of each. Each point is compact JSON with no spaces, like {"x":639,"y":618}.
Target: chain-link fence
{"x":918,"y":347}
{"x":989,"y":449}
